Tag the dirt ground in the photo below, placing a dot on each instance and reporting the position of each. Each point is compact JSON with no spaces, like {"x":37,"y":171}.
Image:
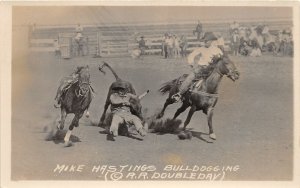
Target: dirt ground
{"x":253,"y":121}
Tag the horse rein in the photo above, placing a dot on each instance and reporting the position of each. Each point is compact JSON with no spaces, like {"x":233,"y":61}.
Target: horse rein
{"x":229,"y":74}
{"x":215,"y":95}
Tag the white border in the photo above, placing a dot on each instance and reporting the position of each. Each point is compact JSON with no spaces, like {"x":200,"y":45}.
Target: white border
{"x":5,"y":94}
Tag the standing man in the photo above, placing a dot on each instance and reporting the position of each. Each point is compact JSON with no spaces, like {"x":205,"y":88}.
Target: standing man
{"x":235,"y":42}
{"x":183,"y":45}
{"x":198,"y":30}
{"x":142,"y":45}
{"x":121,"y":108}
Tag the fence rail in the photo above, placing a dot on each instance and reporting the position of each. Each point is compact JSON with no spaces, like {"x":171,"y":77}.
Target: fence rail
{"x":121,"y":40}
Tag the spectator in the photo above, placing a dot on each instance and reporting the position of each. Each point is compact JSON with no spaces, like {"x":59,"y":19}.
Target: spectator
{"x":198,"y":30}
{"x":233,"y":26}
{"x":168,"y":46}
{"x":56,"y":47}
{"x":164,"y":46}
{"x":142,"y":45}
{"x":176,"y":46}
{"x":183,"y":44}
{"x":256,"y":51}
{"x":235,"y":43}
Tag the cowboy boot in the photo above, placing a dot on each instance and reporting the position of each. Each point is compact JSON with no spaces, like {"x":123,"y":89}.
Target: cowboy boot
{"x":176,"y":97}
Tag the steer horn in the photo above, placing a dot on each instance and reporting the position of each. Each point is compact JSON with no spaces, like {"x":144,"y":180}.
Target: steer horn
{"x":143,"y":94}
{"x":101,"y":68}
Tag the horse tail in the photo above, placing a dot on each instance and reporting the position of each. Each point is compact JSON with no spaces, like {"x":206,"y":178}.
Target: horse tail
{"x":166,"y":87}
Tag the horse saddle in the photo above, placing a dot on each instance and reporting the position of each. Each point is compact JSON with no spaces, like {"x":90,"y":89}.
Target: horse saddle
{"x":67,"y":87}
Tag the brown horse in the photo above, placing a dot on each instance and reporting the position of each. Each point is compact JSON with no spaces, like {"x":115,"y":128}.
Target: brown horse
{"x":76,"y":100}
{"x":202,"y":98}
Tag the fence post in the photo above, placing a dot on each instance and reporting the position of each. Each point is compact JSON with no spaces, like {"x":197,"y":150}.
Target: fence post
{"x":98,"y":50}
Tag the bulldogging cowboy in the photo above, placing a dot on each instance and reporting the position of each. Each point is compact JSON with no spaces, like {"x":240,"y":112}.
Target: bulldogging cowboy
{"x":124,"y":107}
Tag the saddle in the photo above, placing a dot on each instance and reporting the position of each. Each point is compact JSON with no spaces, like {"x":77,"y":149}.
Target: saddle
{"x":67,"y":87}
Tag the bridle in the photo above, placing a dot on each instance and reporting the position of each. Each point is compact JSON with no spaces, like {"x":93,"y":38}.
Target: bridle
{"x":230,"y":74}
{"x":79,"y":92}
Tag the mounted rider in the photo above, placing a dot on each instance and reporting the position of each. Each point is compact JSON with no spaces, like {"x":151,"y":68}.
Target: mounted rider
{"x":123,"y":110}
{"x":65,"y":84}
{"x":200,"y":60}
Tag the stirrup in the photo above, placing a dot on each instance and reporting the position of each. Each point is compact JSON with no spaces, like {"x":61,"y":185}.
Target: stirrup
{"x":57,"y":105}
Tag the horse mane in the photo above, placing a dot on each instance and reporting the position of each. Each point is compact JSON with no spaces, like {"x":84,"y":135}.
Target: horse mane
{"x":166,"y":87}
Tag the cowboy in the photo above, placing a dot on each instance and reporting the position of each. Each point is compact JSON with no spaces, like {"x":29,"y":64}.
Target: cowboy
{"x":65,"y":83}
{"x":121,"y":109}
{"x":200,"y":59}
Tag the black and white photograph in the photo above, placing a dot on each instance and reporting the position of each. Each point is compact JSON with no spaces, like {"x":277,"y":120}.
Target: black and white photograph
{"x":189,"y":93}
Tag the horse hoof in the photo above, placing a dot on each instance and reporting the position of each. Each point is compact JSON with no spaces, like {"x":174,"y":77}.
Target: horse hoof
{"x":87,"y":114}
{"x":213,"y":136}
{"x":182,"y":135}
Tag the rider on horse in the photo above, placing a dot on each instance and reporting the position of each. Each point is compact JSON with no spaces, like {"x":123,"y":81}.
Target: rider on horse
{"x":65,"y":83}
{"x":200,"y":60}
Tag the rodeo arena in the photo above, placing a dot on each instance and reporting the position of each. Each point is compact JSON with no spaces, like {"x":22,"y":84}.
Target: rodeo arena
{"x":97,"y":89}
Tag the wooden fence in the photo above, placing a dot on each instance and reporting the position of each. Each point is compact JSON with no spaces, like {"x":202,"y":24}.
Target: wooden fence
{"x":113,"y":41}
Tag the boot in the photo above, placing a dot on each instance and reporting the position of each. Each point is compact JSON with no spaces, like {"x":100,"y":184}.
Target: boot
{"x":177,"y":97}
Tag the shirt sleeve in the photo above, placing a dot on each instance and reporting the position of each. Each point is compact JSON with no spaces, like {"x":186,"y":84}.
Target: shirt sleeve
{"x":191,"y":56}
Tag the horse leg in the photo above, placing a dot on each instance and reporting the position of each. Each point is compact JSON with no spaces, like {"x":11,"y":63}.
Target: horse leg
{"x":210,"y":113}
{"x":62,"y":120}
{"x":188,"y":119}
{"x":167,"y":103}
{"x":183,"y":107}
{"x":75,"y":123}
